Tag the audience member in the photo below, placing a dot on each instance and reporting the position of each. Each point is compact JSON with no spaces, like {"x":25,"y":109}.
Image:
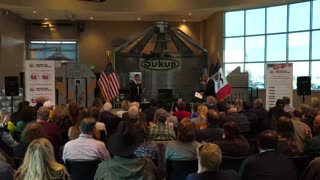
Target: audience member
{"x":210,"y":158}
{"x":125,"y":104}
{"x":240,"y":119}
{"x":32,"y":131}
{"x":275,"y":113}
{"x":299,"y":127}
{"x":313,"y":170}
{"x":5,"y":121}
{"x":6,"y":169}
{"x":160,"y":131}
{"x":7,"y":142}
{"x":148,"y":148}
{"x":238,"y":104}
{"x":61,"y":119}
{"x":262,"y":116}
{"x":51,"y":131}
{"x":85,"y":147}
{"x":27,"y":115}
{"x":233,"y":143}
{"x":211,"y":102}
{"x":181,"y":111}
{"x":288,"y":143}
{"x":39,"y":102}
{"x":268,"y":164}
{"x":252,"y":117}
{"x":39,"y":163}
{"x":212,"y":132}
{"x":100,"y":127}
{"x":308,"y":114}
{"x":124,"y":164}
{"x":287,"y":108}
{"x":315,"y":104}
{"x":151,"y":110}
{"x":312,"y":144}
{"x":97,"y":103}
{"x":16,"y":116}
{"x":50,"y":105}
{"x":185,"y":146}
{"x":201,"y":120}
{"x":110,"y":120}
{"x":194,"y":110}
{"x":171,"y":118}
{"x":74,"y":111}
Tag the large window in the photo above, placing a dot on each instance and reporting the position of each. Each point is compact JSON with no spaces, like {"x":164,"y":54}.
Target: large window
{"x":54,"y":50}
{"x":286,"y":33}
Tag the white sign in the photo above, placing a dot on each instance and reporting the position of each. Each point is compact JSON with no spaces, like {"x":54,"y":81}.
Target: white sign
{"x":39,"y":80}
{"x":279,"y":83}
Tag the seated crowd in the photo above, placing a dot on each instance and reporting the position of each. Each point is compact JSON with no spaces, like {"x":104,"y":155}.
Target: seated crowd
{"x":210,"y":140}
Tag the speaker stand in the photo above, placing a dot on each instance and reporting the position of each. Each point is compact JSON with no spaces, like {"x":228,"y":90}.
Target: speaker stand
{"x":302,"y":99}
{"x":11,"y":104}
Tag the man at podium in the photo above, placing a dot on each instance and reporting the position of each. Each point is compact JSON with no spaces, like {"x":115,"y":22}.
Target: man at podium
{"x":135,"y":89}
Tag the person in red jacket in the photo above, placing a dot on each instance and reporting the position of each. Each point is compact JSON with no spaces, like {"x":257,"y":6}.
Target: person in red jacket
{"x":182,"y":113}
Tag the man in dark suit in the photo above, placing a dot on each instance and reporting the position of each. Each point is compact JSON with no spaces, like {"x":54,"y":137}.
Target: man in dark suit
{"x":210,"y":88}
{"x":135,"y":89}
{"x":269,"y":163}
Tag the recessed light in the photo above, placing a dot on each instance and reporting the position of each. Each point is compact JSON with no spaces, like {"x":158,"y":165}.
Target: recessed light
{"x":190,"y":14}
{"x":46,"y":19}
{"x":138,"y":19}
{"x":91,"y":18}
{"x":184,"y":20}
{"x":34,"y":12}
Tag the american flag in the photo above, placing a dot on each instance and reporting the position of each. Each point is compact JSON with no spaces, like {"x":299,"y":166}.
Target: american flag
{"x":109,"y":83}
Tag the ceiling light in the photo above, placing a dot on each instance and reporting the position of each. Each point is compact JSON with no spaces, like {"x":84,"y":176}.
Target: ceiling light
{"x":190,"y":14}
{"x":184,"y":20}
{"x":91,"y":18}
{"x":138,"y":19}
{"x":46,"y":19}
{"x":34,"y":12}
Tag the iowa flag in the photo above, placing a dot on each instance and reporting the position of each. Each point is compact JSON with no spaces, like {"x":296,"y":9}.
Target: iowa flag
{"x":222,"y":87}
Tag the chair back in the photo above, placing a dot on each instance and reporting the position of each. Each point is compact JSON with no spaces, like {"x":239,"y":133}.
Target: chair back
{"x":179,"y":170}
{"x":231,"y":163}
{"x":82,"y":169}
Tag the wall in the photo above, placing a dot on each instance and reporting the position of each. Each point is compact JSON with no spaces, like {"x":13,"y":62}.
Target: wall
{"x":12,"y":45}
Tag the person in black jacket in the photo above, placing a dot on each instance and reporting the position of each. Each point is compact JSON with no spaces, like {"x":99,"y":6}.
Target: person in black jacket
{"x":210,"y":88}
{"x":135,"y":89}
{"x":269,"y":163}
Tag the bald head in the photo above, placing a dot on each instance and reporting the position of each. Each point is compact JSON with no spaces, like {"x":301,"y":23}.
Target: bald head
{"x":316,"y":125}
{"x":107,"y":106}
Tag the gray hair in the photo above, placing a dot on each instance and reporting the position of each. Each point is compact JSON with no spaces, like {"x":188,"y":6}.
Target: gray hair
{"x":87,"y":125}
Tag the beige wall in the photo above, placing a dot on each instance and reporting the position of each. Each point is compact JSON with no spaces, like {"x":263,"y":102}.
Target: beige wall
{"x":12,"y":47}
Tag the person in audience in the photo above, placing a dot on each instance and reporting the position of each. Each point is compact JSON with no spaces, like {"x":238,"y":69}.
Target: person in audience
{"x":51,"y":131}
{"x":185,"y":146}
{"x":299,"y":127}
{"x":211,"y":102}
{"x":85,"y":147}
{"x":110,"y":120}
{"x":32,"y":131}
{"x":312,"y":144}
{"x":171,"y":118}
{"x":181,"y":113}
{"x":61,"y":119}
{"x":210,"y":159}
{"x":201,"y":120}
{"x":7,"y":142}
{"x":27,"y":115}
{"x":269,"y":163}
{"x":238,"y":104}
{"x":125,"y":165}
{"x":160,"y":131}
{"x":5,"y":121}
{"x":212,"y":132}
{"x":39,"y":102}
{"x":312,"y":172}
{"x":315,"y":104}
{"x":50,"y":105}
{"x":194,"y":110}
{"x":262,"y":116}
{"x":240,"y":119}
{"x":100,"y":127}
{"x":149,"y":113}
{"x":125,"y":104}
{"x":16,"y":116}
{"x":308,"y":114}
{"x":6,"y":167}
{"x":233,"y":143}
{"x":252,"y":117}
{"x":74,"y":111}
{"x":97,"y":103}
{"x":275,"y":113}
{"x":288,"y":143}
{"x":39,"y":163}
{"x":287,"y":108}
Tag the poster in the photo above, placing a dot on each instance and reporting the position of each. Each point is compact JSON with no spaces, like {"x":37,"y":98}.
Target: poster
{"x":279,"y":83}
{"x":39,"y":80}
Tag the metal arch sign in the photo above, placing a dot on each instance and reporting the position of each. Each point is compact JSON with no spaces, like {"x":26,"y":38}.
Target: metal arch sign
{"x":161,"y":64}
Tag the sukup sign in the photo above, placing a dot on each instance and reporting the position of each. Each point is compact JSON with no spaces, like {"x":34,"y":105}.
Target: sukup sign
{"x":160,"y":64}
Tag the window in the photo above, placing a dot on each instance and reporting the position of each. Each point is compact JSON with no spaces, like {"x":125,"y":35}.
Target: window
{"x":287,"y":33}
{"x":54,"y":50}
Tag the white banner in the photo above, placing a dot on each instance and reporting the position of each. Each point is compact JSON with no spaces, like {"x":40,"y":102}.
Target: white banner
{"x":279,"y":83}
{"x":39,"y":80}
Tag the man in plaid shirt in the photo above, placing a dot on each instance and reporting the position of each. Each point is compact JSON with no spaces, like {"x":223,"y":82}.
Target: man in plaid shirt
{"x":160,"y":131}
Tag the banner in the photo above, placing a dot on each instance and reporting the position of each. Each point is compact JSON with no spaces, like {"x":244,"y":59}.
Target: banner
{"x":39,"y":80}
{"x":279,"y":83}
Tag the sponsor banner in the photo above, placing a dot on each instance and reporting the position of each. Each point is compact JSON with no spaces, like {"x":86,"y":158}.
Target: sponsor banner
{"x":39,"y":80}
{"x":160,"y":64}
{"x":279,"y":83}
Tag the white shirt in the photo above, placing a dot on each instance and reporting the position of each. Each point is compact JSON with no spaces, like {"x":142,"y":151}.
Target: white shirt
{"x":85,"y":148}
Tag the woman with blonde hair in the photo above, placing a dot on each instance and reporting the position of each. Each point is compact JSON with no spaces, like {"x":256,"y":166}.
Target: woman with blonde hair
{"x":201,"y":120}
{"x":39,"y":163}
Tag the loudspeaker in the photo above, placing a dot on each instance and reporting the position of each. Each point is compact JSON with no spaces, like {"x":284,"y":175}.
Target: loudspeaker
{"x":304,"y":85}
{"x":11,"y":85}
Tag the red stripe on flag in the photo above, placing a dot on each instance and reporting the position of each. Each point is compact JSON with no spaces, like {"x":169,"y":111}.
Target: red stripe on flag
{"x":223,"y":92}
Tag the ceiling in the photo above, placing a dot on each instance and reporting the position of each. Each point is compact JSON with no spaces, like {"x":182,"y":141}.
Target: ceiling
{"x":128,"y":10}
